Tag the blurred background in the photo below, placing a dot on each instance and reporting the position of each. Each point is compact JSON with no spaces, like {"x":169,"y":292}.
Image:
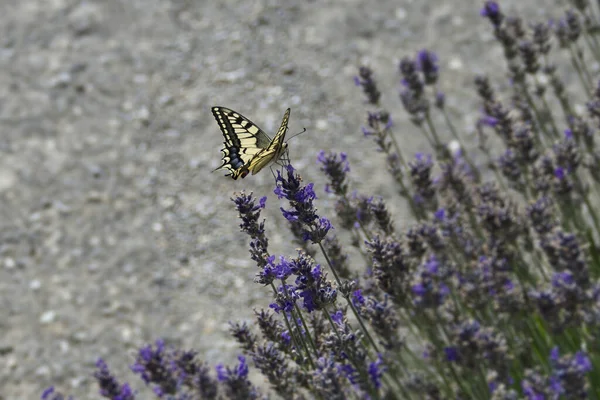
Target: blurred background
{"x":114,"y":232}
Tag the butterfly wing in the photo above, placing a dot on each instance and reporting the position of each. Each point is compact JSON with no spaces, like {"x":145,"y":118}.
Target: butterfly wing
{"x":243,"y":141}
{"x":275,"y":149}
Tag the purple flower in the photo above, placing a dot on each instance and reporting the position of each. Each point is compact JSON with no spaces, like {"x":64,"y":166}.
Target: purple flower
{"x":291,"y":215}
{"x":582,"y":362}
{"x":489,"y":121}
{"x":222,"y":374}
{"x":335,"y":169}
{"x":309,"y":302}
{"x":530,"y":392}
{"x":286,"y":337}
{"x":350,"y":373}
{"x":319,"y":232}
{"x":555,"y":385}
{"x":301,"y":198}
{"x":567,"y":154}
{"x":289,"y":187}
{"x":306,"y":194}
{"x":154,"y":365}
{"x":561,"y":279}
{"x":242,"y":368}
{"x":451,"y":353}
{"x":147,"y":355}
{"x":239,"y":371}
{"x":365,"y":79}
{"x":568,"y":378}
{"x":358,"y":298}
{"x":427,"y":63}
{"x":235,"y":381}
{"x":376,"y":370}
{"x":429,"y":285}
{"x":46,"y":393}
{"x":109,"y":386}
{"x":282,"y":270}
{"x":410,"y":77}
{"x":50,"y":394}
{"x":432,"y":265}
{"x":284,"y":300}
{"x":249,"y":213}
{"x":491,"y":10}
{"x":568,"y":134}
{"x":554,"y":354}
{"x":344,"y":160}
{"x":419,"y":289}
{"x":338,"y":317}
{"x":440,"y":214}
{"x":268,"y":273}
{"x":420,"y":176}
{"x":316,"y":272}
{"x":311,"y":283}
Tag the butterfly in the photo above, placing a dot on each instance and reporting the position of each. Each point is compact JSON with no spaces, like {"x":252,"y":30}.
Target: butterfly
{"x":247,"y":147}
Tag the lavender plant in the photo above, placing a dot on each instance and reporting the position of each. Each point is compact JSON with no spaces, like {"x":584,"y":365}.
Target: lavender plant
{"x":492,"y":293}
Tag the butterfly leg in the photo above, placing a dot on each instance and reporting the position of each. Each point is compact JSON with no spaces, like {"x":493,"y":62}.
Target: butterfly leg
{"x":284,"y":159}
{"x":272,"y":173}
{"x":282,"y":163}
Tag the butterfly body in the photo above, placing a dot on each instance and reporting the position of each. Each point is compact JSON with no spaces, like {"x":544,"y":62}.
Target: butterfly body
{"x":247,"y":148}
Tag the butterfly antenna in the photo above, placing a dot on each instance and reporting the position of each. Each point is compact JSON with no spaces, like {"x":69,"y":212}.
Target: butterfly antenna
{"x":296,"y":134}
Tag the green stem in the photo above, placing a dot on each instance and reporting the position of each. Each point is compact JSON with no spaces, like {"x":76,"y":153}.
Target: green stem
{"x":360,"y":368}
{"x":295,"y":339}
{"x":358,"y":318}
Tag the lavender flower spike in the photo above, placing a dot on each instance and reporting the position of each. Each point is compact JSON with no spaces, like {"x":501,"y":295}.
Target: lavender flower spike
{"x":427,"y":63}
{"x":50,"y":394}
{"x":109,"y":386}
{"x":491,"y":10}
{"x":235,"y":380}
{"x":369,"y":86}
{"x":301,"y":198}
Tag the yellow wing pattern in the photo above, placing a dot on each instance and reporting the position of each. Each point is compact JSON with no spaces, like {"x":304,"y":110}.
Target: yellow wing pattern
{"x":247,"y":147}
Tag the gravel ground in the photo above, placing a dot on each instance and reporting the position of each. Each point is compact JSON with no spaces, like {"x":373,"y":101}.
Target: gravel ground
{"x":113,"y":230}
